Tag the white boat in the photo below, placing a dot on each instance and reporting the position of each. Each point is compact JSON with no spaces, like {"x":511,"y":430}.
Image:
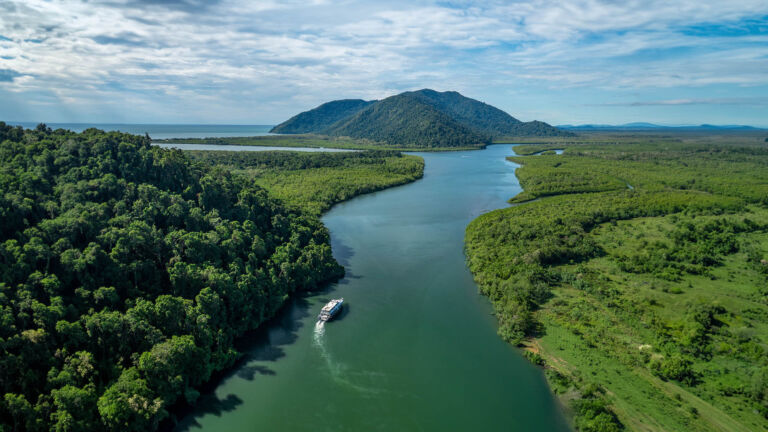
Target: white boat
{"x":330,"y":310}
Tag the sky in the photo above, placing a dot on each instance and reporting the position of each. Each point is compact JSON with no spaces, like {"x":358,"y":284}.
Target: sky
{"x":260,"y":62}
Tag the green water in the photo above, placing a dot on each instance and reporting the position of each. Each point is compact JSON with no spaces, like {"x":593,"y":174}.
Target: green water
{"x":415,"y":348}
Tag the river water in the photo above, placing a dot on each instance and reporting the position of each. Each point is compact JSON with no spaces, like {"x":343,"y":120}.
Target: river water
{"x":220,"y":147}
{"x":415,"y":348}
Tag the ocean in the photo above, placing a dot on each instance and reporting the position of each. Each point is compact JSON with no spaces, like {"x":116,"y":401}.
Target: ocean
{"x":162,"y":131}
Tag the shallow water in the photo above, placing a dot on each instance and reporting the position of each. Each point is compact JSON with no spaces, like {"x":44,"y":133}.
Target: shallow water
{"x":415,"y":347}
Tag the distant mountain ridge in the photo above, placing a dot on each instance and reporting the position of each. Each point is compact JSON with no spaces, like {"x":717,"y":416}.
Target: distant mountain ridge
{"x":423,"y":118}
{"x":652,"y":126}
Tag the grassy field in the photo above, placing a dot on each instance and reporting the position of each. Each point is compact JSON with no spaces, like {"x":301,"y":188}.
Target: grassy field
{"x":639,"y":278}
{"x":316,"y":181}
{"x":612,"y":324}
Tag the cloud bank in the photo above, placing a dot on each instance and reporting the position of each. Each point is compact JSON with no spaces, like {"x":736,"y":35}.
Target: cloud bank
{"x":232,"y":61}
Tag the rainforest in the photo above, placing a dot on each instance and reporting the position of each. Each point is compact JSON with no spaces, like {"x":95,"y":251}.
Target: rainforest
{"x":128,"y":270}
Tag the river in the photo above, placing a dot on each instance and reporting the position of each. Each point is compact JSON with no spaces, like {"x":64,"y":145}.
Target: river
{"x":415,"y":348}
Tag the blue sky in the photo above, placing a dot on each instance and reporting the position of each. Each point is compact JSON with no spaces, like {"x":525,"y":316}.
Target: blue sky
{"x":259,"y":62}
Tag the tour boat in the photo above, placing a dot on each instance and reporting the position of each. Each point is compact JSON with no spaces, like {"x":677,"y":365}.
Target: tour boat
{"x":330,"y":310}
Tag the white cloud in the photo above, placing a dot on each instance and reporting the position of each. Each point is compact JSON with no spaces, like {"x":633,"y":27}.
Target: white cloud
{"x":210,"y":61}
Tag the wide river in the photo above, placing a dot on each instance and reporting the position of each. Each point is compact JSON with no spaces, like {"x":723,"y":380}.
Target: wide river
{"x":415,"y":348}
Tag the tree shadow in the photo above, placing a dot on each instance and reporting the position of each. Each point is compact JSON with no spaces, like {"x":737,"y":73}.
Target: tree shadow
{"x":265,"y":344}
{"x":341,"y":252}
{"x":206,"y":404}
{"x":348,"y":277}
{"x":537,"y":330}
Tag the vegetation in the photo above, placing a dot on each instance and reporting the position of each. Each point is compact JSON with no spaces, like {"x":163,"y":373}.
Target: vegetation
{"x":481,"y":117}
{"x":126,"y":272}
{"x":408,"y":121}
{"x":321,"y":117}
{"x":639,"y":279}
{"x":420,"y":119}
{"x":659,"y":136}
{"x":306,"y":140}
{"x":313,"y":182}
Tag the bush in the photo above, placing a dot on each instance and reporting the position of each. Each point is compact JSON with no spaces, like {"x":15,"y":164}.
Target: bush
{"x":675,"y":367}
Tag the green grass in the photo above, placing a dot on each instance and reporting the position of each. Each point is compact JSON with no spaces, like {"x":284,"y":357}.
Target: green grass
{"x":657,"y":295}
{"x":313,"y":182}
{"x":606,"y":332}
{"x":317,"y":189}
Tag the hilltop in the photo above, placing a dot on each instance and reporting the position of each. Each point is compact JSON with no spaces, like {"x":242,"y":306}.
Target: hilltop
{"x":424,"y":118}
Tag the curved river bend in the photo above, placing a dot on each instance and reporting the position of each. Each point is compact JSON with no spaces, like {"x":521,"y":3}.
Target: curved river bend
{"x":415,"y":348}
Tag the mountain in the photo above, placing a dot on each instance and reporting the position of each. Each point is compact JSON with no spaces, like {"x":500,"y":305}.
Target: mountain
{"x":725,"y":127}
{"x":469,"y":112}
{"x":484,"y":118}
{"x":424,"y":118}
{"x":321,"y":117}
{"x":651,"y":126}
{"x":407,"y":120}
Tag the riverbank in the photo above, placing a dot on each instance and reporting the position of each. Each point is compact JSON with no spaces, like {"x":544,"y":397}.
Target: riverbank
{"x":309,"y":141}
{"x":638,"y":302}
{"x":398,"y":358}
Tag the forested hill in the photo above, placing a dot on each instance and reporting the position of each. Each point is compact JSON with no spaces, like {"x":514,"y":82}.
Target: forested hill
{"x":409,"y":121}
{"x":424,"y":118}
{"x":126,"y":272}
{"x":484,"y":118}
{"x":321,"y":117}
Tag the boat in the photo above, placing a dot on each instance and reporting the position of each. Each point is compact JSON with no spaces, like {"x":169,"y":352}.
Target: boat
{"x":330,"y":310}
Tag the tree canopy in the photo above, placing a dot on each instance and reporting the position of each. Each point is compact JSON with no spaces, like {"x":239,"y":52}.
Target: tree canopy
{"x":126,"y":272}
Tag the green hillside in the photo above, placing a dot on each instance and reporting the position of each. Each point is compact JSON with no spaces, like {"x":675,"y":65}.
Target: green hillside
{"x":484,"y":118}
{"x":407,"y":120}
{"x":424,"y":118}
{"x":321,"y":117}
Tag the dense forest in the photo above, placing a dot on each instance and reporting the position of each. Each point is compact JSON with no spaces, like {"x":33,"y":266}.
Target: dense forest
{"x":314,"y":181}
{"x":407,"y":120}
{"x":126,"y":272}
{"x":636,"y":274}
{"x":484,"y":118}
{"x":320,"y":118}
{"x":423,"y":118}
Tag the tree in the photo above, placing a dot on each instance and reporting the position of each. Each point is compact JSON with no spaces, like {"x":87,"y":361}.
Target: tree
{"x":17,"y":411}
{"x":75,"y":409}
{"x":129,"y":404}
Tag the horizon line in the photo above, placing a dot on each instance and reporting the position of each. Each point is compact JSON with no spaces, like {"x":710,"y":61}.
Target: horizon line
{"x":562,"y":125}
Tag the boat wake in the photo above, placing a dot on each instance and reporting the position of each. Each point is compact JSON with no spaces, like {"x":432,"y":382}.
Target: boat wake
{"x":337,"y":370}
{"x":319,"y":331}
